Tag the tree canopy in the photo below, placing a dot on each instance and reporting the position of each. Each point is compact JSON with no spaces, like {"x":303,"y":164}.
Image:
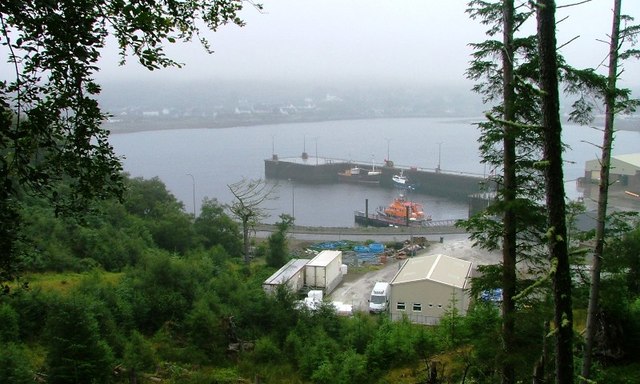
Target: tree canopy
{"x":50,"y":122}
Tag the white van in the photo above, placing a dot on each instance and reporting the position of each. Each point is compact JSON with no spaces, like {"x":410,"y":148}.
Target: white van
{"x":379,"y":297}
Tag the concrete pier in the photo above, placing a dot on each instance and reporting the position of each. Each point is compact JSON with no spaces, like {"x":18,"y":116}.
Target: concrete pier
{"x":454,"y":185}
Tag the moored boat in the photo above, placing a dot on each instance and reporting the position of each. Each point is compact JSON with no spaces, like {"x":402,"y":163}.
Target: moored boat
{"x":401,"y":212}
{"x":402,"y":208}
{"x":359,"y":175}
{"x":401,"y":181}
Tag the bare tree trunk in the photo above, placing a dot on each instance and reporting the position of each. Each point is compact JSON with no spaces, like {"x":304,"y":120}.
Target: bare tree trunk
{"x":245,"y":241}
{"x":510,"y":187}
{"x":433,"y":372}
{"x":557,"y":232}
{"x":540,"y":369}
{"x":605,"y":164}
{"x":133,"y":377}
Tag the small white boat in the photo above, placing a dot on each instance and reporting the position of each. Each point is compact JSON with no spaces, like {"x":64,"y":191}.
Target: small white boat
{"x":401,"y":181}
{"x":359,"y":175}
{"x":373,"y":171}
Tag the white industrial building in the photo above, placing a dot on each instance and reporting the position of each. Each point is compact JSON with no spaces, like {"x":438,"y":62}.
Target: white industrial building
{"x":624,"y":171}
{"x":426,"y":286}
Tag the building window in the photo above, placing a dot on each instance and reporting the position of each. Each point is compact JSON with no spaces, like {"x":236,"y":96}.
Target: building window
{"x":400,"y":306}
{"x":439,"y":305}
{"x":417,"y":307}
{"x":430,"y":305}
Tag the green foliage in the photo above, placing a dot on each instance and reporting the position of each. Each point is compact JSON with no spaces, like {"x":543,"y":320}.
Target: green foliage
{"x":215,"y":227}
{"x":451,"y":330}
{"x":173,"y":232}
{"x":149,"y":198}
{"x":32,"y":307}
{"x":266,"y":351}
{"x":392,"y":345}
{"x":483,"y":321}
{"x":278,"y":254}
{"x":248,"y":198}
{"x":183,"y":375}
{"x":15,"y":366}
{"x":50,"y":122}
{"x":206,"y":328}
{"x":139,"y":355}
{"x":107,"y":236}
{"x":10,"y":226}
{"x":622,"y":258}
{"x":619,"y":324}
{"x":347,"y":367}
{"x":163,"y":214}
{"x":359,"y":331}
{"x":75,"y":349}
{"x":9,"y":331}
{"x":619,"y":374}
{"x":632,"y":328}
{"x":282,"y":314}
{"x":47,"y":237}
{"x":313,"y":350}
{"x":111,"y":311}
{"x":160,"y":291}
{"x":183,"y":311}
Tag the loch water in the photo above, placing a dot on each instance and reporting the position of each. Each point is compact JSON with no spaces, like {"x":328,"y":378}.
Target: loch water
{"x":222,"y":156}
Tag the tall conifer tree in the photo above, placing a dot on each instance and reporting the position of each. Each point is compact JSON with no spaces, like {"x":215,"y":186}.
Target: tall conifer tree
{"x":555,"y":196}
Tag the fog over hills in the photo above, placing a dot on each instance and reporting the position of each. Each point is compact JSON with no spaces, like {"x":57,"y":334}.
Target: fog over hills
{"x":137,"y":105}
{"x":212,"y":104}
{"x":309,"y":61}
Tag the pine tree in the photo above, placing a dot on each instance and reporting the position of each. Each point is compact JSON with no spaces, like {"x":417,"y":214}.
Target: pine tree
{"x":555,"y":196}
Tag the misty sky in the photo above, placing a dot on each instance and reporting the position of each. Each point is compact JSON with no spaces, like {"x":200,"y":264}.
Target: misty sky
{"x":417,"y":42}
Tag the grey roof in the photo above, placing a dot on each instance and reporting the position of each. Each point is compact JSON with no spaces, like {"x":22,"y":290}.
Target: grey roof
{"x":627,"y":164}
{"x":439,"y":268}
{"x":631,"y":158}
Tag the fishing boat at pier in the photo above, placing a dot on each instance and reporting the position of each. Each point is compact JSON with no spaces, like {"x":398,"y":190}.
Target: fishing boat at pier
{"x":401,"y":181}
{"x":359,"y":175}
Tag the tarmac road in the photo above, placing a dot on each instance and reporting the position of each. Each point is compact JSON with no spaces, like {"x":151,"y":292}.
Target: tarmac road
{"x":382,"y":234}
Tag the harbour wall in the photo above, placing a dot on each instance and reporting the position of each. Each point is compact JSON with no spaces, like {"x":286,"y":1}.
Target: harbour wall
{"x":458,"y":186}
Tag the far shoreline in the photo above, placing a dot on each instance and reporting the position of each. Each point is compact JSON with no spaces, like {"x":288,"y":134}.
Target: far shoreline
{"x":142,"y":125}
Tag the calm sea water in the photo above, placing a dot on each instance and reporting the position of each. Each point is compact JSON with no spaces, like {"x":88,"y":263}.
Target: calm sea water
{"x":218,"y":157}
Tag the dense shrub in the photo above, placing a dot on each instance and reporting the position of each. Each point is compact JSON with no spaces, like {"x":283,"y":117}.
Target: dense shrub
{"x":76,"y":353}
{"x":15,"y":367}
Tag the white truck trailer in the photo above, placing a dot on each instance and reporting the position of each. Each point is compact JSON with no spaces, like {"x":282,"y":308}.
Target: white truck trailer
{"x":291,"y":275}
{"x":324,"y":271}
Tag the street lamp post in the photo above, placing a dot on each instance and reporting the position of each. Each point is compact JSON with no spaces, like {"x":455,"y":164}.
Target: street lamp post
{"x":193,"y":184}
{"x":293,"y":200}
{"x":388,"y":143}
{"x":439,"y":156}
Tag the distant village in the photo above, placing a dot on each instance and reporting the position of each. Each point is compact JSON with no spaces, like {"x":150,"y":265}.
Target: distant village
{"x":206,"y":109}
{"x":137,"y":107}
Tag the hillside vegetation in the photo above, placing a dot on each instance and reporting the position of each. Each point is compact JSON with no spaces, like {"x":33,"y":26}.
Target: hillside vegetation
{"x":141,"y":292}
